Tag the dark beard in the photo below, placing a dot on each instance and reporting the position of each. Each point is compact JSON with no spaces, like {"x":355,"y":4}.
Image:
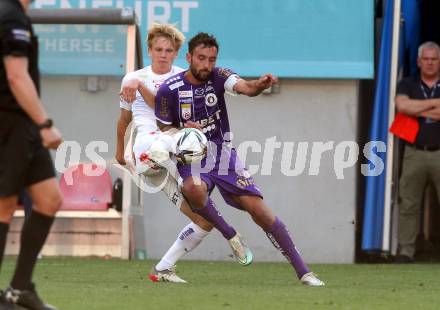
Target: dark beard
{"x":199,"y":76}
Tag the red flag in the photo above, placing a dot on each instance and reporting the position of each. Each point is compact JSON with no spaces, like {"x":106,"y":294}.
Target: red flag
{"x":405,"y":127}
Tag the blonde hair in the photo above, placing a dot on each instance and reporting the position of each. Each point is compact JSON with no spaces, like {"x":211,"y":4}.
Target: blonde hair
{"x":167,"y":31}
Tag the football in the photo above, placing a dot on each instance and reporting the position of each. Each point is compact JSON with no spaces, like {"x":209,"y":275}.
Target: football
{"x":191,"y":145}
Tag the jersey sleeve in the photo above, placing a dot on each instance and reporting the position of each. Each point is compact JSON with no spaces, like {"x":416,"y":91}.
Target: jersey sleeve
{"x":15,"y":39}
{"x":122,"y":103}
{"x":403,"y":88}
{"x":164,"y":105}
{"x":229,"y":78}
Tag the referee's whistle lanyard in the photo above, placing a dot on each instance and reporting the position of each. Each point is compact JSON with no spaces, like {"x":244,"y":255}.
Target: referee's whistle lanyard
{"x":431,"y":96}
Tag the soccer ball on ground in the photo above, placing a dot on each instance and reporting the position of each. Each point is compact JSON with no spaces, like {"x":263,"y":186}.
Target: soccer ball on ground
{"x":191,"y":145}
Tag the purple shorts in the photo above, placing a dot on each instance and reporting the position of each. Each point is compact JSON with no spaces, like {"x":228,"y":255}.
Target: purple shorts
{"x":225,"y":171}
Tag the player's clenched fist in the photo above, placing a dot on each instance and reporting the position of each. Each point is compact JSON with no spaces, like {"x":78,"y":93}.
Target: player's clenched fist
{"x":266,"y":81}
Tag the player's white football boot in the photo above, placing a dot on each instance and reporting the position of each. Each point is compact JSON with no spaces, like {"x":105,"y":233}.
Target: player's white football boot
{"x":167,"y":275}
{"x":242,"y":253}
{"x":310,"y":279}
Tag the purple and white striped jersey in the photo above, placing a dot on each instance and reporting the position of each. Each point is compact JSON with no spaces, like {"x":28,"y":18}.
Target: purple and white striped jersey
{"x":179,"y":101}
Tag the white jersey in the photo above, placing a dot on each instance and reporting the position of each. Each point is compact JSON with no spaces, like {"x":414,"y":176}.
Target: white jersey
{"x":143,"y":116}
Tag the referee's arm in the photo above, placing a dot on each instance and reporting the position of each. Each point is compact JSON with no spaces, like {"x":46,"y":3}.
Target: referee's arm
{"x":23,"y":88}
{"x":24,"y":91}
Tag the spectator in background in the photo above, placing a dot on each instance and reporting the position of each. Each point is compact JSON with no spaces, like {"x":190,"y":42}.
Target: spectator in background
{"x":418,"y":99}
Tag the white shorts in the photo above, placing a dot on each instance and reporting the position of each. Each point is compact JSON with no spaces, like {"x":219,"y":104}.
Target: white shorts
{"x":170,"y":188}
{"x":142,"y":143}
{"x":155,"y":174}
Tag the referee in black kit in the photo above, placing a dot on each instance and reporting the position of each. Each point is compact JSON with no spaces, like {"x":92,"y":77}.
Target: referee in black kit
{"x":26,"y":134}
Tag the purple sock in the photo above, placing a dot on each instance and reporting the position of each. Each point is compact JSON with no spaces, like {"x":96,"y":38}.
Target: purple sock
{"x":280,"y":238}
{"x":210,"y":213}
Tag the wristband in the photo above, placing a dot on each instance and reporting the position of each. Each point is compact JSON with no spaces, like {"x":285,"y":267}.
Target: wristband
{"x":47,"y":124}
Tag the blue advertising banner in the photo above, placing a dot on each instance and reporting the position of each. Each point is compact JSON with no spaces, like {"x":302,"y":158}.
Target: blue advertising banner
{"x":82,"y":49}
{"x":290,"y":38}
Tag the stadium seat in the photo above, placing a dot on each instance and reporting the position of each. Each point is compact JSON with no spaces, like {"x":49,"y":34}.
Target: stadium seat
{"x":83,"y":192}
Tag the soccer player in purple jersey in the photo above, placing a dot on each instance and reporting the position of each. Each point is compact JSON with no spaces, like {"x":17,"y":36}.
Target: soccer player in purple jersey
{"x":195,"y":98}
{"x":137,"y":103}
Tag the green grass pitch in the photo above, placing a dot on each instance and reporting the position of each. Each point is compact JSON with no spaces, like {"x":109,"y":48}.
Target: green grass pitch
{"x":94,"y":283}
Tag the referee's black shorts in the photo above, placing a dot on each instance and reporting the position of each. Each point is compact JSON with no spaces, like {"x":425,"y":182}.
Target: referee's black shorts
{"x":23,"y":159}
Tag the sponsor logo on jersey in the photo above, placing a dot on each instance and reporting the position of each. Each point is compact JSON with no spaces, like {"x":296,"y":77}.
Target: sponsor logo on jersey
{"x":208,"y":124}
{"x":163,"y":107}
{"x":199,"y":91}
{"x":208,"y":128}
{"x":209,"y":89}
{"x":186,"y":111}
{"x":185,"y":93}
{"x":176,"y":85}
{"x":185,"y":100}
{"x":210,"y":100}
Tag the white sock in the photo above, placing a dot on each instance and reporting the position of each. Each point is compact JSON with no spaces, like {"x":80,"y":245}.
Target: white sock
{"x":188,"y":239}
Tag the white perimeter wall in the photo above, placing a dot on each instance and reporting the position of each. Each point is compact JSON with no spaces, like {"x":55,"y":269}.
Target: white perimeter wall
{"x":318,"y":209}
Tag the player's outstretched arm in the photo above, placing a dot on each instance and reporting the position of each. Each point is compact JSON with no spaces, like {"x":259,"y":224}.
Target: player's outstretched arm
{"x":253,"y":88}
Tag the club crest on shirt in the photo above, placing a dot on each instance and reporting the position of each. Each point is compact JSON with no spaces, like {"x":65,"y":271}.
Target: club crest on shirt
{"x":186,"y":111}
{"x":156,"y":83}
{"x":210,"y":100}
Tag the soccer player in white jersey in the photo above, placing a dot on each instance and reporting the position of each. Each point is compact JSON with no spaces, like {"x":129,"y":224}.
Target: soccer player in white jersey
{"x":137,"y":104}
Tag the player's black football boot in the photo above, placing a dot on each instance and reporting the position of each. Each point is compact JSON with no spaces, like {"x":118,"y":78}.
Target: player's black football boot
{"x":26,"y":299}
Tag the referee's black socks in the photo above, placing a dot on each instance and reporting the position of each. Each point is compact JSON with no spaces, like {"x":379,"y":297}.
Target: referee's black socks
{"x":33,"y":236}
